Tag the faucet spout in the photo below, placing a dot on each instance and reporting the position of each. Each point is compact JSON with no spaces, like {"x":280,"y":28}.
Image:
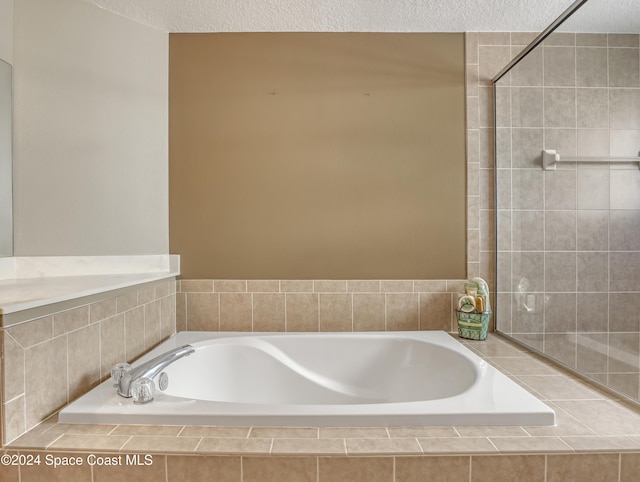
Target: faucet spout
{"x":152,"y":368}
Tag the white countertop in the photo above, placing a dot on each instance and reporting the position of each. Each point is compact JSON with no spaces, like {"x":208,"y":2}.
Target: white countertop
{"x":35,"y":282}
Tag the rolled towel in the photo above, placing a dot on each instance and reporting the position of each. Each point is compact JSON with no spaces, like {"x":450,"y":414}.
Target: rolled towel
{"x":466,"y":304}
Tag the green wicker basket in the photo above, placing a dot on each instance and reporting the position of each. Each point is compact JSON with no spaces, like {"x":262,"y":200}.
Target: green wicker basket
{"x":473,"y":326}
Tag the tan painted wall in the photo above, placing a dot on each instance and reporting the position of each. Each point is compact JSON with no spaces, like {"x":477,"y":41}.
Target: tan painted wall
{"x":317,"y":155}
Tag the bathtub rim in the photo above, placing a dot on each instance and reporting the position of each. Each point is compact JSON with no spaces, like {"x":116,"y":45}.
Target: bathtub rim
{"x":92,"y":407}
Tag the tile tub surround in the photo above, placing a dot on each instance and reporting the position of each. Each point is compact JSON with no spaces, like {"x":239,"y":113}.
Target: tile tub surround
{"x":52,"y":359}
{"x":597,"y":438}
{"x":320,"y":305}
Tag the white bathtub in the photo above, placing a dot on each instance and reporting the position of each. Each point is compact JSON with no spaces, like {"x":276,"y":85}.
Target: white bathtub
{"x":321,"y":379}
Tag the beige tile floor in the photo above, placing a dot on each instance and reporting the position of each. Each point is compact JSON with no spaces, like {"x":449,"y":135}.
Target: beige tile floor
{"x":589,"y":419}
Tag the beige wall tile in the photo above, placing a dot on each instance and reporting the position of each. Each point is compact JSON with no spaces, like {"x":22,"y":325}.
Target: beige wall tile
{"x":471,"y":47}
{"x":134,"y":333}
{"x":430,"y":286}
{"x":355,"y":469}
{"x":494,"y":38}
{"x":102,"y":310}
{"x":83,"y":360}
{"x":601,"y":444}
{"x":127,"y":301}
{"x":236,"y":312}
{"x":152,"y":329}
{"x":203,"y":312}
{"x":217,"y":432}
{"x":52,"y":427}
{"x":159,"y":430}
{"x":131,"y":473}
{"x":296,"y":286}
{"x":383,"y":446}
{"x":433,"y":469}
{"x":33,"y":332}
{"x":582,"y":467}
{"x":503,"y":468}
{"x":263,"y":286}
{"x":368,"y":312}
{"x":310,"y":446}
{"x":402,"y":311}
{"x":112,"y":347}
{"x":363,"y":286}
{"x":278,"y":469}
{"x":146,"y":295}
{"x":269,"y":311}
{"x":89,"y":441}
{"x":153,"y":443}
{"x":456,"y":445}
{"x":203,"y":469}
{"x":232,"y":445}
{"x":397,"y":286}
{"x":13,"y":419}
{"x":67,"y":321}
{"x":283,"y":432}
{"x":629,"y":467}
{"x":492,"y":60}
{"x":530,"y":444}
{"x":162,"y":289}
{"x":353,"y":432}
{"x":45,"y":379}
{"x":422,"y":432}
{"x":229,"y":286}
{"x":336,"y":312}
{"x":302,"y":312}
{"x":330,"y":286}
{"x":167,"y":316}
{"x":13,"y":375}
{"x":435,"y":311}
{"x":181,"y":312}
{"x":196,"y":286}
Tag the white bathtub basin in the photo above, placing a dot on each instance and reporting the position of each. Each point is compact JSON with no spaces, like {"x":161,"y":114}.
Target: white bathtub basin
{"x":321,"y":379}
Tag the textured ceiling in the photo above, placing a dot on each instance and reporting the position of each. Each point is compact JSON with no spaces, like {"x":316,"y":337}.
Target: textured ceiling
{"x":372,"y":15}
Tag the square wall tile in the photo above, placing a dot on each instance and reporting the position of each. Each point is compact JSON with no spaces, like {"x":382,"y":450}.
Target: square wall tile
{"x":582,"y":467}
{"x":528,"y":230}
{"x":336,"y":312}
{"x":560,"y":189}
{"x":560,"y":313}
{"x":269,"y":312}
{"x":593,"y":189}
{"x":527,"y":106}
{"x":624,"y":67}
{"x":559,"y":107}
{"x":560,"y":230}
{"x":593,"y":271}
{"x":625,"y":189}
{"x":559,"y":66}
{"x":368,"y":312}
{"x":593,"y":230}
{"x":591,"y":67}
{"x":592,"y":108}
{"x":560,"y":271}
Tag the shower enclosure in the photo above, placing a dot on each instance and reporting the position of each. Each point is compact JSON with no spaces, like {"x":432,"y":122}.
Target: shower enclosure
{"x":567,"y":140}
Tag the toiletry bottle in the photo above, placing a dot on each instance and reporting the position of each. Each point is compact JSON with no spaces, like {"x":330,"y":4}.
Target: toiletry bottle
{"x":483,"y":290}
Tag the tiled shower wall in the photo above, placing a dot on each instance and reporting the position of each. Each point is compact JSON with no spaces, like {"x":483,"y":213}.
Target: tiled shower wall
{"x":52,"y":360}
{"x":568,"y":244}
